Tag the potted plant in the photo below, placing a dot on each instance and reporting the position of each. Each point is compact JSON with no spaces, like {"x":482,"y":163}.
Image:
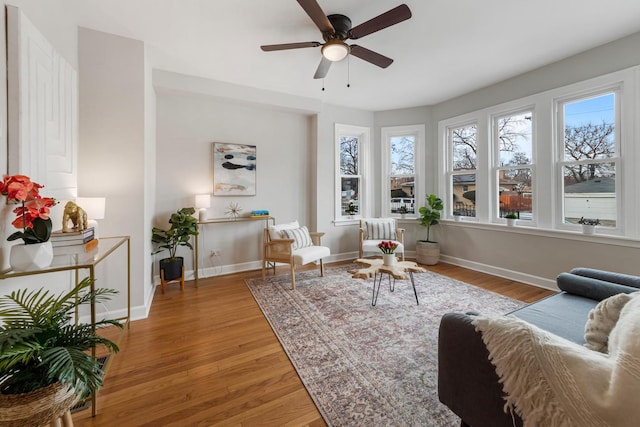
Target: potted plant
{"x":45,"y":358}
{"x":428,"y":251}
{"x":32,"y":220}
{"x":589,"y":225}
{"x":511,"y":218}
{"x":351,"y":210}
{"x":403,"y":210}
{"x":183,"y":226}
{"x":457,"y":216}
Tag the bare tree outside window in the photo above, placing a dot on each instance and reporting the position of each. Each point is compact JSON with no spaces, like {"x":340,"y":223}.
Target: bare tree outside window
{"x":348,"y":155}
{"x":465,"y":147}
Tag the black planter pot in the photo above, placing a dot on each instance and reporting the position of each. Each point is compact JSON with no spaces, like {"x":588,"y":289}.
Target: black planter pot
{"x":171,"y":268}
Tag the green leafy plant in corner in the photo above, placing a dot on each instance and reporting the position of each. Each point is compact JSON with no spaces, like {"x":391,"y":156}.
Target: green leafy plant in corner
{"x":40,"y":345}
{"x":430,"y":214}
{"x":183,"y":226}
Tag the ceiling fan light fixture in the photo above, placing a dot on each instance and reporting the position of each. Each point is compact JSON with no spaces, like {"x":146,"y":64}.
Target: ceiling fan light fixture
{"x":335,"y":50}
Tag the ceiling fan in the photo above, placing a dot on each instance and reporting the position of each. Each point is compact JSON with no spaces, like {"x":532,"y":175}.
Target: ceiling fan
{"x":337,"y":28}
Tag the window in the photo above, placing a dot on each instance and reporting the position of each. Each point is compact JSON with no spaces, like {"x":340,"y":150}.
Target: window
{"x":463,"y":150}
{"x":590,"y":156}
{"x":513,"y":146}
{"x":551,"y":158}
{"x":351,"y":146}
{"x":401,"y":161}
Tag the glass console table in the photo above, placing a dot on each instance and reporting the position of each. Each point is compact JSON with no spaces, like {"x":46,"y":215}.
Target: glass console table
{"x":266,"y":220}
{"x":87,"y":261}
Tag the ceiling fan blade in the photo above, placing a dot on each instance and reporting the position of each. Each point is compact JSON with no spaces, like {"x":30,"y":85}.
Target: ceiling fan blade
{"x":272,"y":47}
{"x":370,"y":56}
{"x":323,"y":69}
{"x":316,"y":14}
{"x":387,"y":19}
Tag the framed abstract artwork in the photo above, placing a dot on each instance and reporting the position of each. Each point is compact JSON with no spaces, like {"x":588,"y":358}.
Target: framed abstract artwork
{"x":234,"y":169}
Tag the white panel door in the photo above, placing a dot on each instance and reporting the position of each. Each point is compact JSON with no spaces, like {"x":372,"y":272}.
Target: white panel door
{"x":43,"y":109}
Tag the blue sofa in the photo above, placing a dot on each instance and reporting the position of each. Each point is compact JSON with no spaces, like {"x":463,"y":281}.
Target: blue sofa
{"x":467,"y":381}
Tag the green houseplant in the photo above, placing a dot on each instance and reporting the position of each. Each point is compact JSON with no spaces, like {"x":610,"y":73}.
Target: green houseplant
{"x":41,"y":348}
{"x":428,"y":251}
{"x":183,"y":225}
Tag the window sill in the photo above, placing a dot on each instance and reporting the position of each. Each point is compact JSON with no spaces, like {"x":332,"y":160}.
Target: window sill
{"x":545,"y":232}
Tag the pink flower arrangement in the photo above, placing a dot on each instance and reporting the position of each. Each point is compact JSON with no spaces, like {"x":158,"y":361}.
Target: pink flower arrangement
{"x":387,"y":247}
{"x":33,"y":212}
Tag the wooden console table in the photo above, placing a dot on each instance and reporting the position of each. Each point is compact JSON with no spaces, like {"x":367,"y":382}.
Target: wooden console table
{"x":266,"y":220}
{"x":87,"y":261}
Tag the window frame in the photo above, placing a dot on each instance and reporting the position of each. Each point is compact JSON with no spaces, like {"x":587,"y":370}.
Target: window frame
{"x":363,"y":135}
{"x":386,"y":133}
{"x":548,"y":152}
{"x":449,"y":171}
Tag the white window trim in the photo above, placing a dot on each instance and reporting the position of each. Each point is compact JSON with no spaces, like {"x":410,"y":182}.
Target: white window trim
{"x":419,"y":187}
{"x":548,"y":201}
{"x":364,"y":137}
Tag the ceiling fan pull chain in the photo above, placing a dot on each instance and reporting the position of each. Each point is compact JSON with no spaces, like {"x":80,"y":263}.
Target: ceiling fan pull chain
{"x":323,"y":85}
{"x":348,"y":72}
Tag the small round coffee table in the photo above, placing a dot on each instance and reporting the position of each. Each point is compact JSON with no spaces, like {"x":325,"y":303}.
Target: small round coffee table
{"x":377,"y":269}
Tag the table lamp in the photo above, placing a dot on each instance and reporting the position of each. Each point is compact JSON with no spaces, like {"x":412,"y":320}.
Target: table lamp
{"x":95,"y":209}
{"x":203,"y":202}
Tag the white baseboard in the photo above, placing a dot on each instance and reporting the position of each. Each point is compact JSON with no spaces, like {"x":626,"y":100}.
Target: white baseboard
{"x":529,"y":279}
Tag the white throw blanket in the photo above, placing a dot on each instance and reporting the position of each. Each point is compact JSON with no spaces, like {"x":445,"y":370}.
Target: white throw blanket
{"x":552,"y":382}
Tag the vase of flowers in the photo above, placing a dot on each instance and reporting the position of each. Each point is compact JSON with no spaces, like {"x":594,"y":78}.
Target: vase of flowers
{"x":388,"y":249}
{"x":32,"y":219}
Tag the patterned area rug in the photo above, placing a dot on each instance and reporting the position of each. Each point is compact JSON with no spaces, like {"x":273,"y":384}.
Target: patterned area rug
{"x":367,"y":365}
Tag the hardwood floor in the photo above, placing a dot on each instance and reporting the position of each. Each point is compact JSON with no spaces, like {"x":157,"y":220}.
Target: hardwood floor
{"x":207,"y":356}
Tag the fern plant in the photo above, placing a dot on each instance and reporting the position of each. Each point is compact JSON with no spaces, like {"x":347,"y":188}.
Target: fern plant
{"x":41,"y":345}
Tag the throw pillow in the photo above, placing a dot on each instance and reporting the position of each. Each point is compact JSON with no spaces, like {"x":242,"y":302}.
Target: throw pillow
{"x":301,"y":237}
{"x":276,"y":231}
{"x":381,"y":230}
{"x":602,"y":320}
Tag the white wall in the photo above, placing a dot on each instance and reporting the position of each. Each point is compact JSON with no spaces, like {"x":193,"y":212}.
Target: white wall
{"x":112,"y":153}
{"x":188,"y":125}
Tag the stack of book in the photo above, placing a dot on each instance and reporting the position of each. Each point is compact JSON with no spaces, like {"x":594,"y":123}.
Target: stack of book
{"x":73,"y":242}
{"x":263,"y":213}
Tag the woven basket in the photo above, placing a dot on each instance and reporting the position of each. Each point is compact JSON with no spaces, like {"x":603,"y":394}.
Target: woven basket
{"x":37,"y":408}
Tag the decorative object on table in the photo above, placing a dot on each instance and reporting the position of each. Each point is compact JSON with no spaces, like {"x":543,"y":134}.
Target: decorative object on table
{"x":46,"y":365}
{"x":260,"y":213}
{"x":95,"y":207}
{"x":76,"y":215}
{"x":428,"y":251}
{"x":74,"y":242}
{"x":183,"y":226}
{"x":511,"y":218}
{"x":588,"y":225}
{"x":388,"y":249}
{"x":351,"y":210}
{"x":233,"y":210}
{"x":202,"y":203}
{"x":33,"y":219}
{"x":234,"y":169}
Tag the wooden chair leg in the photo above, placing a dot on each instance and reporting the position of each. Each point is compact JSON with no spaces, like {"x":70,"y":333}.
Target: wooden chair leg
{"x":264,"y":267}
{"x":67,"y":421}
{"x":321,"y":268}
{"x":293,"y":276}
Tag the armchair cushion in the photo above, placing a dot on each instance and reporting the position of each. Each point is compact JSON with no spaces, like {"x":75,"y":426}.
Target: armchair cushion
{"x":301,"y":237}
{"x":309,"y":254}
{"x":380,"y":229}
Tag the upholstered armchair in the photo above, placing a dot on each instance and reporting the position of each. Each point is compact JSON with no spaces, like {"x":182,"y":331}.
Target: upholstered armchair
{"x":375,"y":230}
{"x":294,"y":245}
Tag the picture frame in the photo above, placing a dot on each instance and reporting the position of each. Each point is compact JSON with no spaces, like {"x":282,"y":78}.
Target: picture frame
{"x":234,"y":169}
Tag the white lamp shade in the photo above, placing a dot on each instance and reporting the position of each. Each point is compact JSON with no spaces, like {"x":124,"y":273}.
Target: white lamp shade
{"x":203,"y":201}
{"x":93,"y":206}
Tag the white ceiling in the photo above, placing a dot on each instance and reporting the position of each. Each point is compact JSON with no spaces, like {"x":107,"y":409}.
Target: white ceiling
{"x":448,"y":47}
